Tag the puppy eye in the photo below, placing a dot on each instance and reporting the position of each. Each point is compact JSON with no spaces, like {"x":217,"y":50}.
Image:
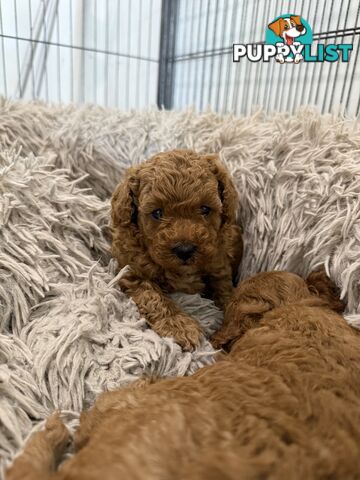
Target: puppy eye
{"x":205,"y":210}
{"x":157,"y":214}
{"x":286,"y":27}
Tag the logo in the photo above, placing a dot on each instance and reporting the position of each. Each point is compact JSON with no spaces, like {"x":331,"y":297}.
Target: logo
{"x":289,"y":39}
{"x":289,"y":33}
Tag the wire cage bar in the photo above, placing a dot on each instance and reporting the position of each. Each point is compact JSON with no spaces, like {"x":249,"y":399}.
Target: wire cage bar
{"x":173,"y":53}
{"x":206,"y":76}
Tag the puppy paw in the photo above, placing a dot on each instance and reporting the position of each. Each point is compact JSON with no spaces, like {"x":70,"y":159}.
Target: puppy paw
{"x":42,"y":451}
{"x":55,"y":433}
{"x":183,"y":329}
{"x":188,"y":335}
{"x":216,"y":341}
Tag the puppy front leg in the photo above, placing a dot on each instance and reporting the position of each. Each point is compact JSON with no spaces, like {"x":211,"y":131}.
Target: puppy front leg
{"x":164,"y":316}
{"x":222,"y":289}
{"x":41,"y":453}
{"x":219,"y":285}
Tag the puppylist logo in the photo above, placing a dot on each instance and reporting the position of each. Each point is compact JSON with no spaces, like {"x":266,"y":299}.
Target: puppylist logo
{"x":294,"y":33}
{"x":289,"y":40}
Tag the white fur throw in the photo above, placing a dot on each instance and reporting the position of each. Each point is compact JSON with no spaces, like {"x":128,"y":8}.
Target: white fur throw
{"x":66,"y":330}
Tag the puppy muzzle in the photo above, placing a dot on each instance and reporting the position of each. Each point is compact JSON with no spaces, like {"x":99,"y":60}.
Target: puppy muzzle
{"x":184,"y":251}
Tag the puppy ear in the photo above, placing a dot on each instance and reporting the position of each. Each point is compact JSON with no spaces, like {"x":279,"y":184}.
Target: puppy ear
{"x":127,"y":244}
{"x":296,"y":19}
{"x":241,"y":314}
{"x":321,"y":286}
{"x":124,"y":200}
{"x":125,"y":235}
{"x":275,"y":27}
{"x":227,"y":191}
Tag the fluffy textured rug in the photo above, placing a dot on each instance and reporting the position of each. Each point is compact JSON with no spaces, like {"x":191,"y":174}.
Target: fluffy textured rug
{"x":66,"y":330}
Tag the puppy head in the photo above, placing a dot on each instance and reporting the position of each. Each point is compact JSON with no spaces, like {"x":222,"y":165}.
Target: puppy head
{"x":268,"y":290}
{"x":254,"y":297}
{"x":175,"y":206}
{"x":288,"y":28}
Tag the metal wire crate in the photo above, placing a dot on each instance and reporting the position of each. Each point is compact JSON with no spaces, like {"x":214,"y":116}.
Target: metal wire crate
{"x":173,"y":53}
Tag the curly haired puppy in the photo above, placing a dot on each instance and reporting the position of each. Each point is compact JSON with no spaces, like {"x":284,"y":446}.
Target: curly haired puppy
{"x":283,"y":404}
{"x":173,"y":223}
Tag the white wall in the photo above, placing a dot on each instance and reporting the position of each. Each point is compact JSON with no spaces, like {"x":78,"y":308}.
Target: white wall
{"x":82,"y":76}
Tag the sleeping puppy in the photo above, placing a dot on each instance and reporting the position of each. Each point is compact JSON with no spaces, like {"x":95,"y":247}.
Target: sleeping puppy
{"x":283,"y":404}
{"x":173,"y":223}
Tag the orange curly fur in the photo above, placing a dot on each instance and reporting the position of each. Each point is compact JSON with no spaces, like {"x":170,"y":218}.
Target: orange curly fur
{"x":179,"y":182}
{"x":246,"y":308}
{"x":283,"y":404}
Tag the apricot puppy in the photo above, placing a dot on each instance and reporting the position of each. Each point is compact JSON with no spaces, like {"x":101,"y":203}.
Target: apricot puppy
{"x":283,"y":404}
{"x":173,"y":223}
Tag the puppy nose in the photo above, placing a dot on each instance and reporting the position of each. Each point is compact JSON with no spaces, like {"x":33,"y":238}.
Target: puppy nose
{"x":184,"y":250}
{"x":300,"y":28}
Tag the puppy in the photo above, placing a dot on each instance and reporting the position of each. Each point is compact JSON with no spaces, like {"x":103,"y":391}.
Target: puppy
{"x":288,"y":29}
{"x":173,"y":223}
{"x":284,"y":403}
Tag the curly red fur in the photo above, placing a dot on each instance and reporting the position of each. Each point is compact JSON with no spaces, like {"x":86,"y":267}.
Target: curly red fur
{"x":179,"y":182}
{"x":283,"y":404}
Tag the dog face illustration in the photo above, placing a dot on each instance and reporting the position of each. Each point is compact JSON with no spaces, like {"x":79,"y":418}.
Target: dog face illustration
{"x":288,"y":28}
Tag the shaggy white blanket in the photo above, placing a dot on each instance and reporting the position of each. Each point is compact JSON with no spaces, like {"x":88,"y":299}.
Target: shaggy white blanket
{"x":66,"y":330}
